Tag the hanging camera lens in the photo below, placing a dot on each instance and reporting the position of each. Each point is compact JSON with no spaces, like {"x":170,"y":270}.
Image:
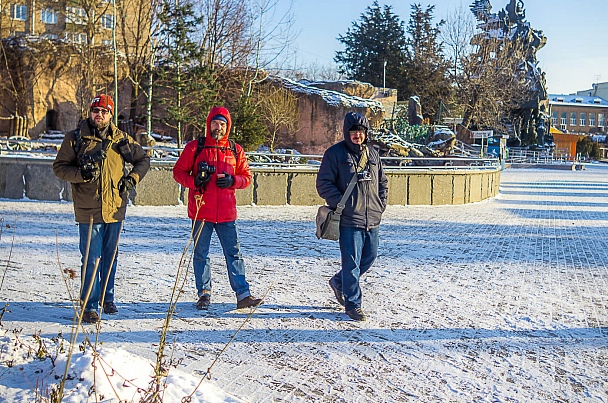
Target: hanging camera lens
{"x":364,"y":176}
{"x":206,"y":168}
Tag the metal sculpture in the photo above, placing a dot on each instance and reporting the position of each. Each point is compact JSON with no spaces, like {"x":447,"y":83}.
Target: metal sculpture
{"x":531,"y":117}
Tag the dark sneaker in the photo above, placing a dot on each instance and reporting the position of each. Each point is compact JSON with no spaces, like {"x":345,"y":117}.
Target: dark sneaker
{"x":90,"y":317}
{"x":248,"y":302}
{"x":204,"y":301}
{"x":356,"y":314}
{"x":110,"y":308}
{"x":337,"y":293}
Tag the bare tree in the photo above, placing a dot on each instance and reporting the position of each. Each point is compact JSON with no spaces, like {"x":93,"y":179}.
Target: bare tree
{"x":456,"y":34}
{"x":136,"y":26}
{"x":84,"y":17}
{"x":224,"y":27}
{"x":491,"y":85}
{"x":314,"y":72}
{"x":279,"y":109}
{"x":271,"y":33}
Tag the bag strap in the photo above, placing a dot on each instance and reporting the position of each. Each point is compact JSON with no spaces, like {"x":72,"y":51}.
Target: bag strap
{"x":352,"y":183}
{"x":77,"y":140}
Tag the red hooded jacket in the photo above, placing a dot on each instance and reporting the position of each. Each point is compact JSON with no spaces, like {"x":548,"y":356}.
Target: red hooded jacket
{"x":218,"y":205}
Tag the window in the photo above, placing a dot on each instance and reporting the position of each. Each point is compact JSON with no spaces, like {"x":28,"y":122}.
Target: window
{"x":76,"y":37}
{"x":107,"y":21}
{"x":48,"y":16}
{"x":75,"y":15}
{"x":106,"y":42}
{"x":50,"y":36}
{"x":572,"y":118}
{"x":554,"y":118}
{"x":592,"y":119}
{"x":600,"y":119}
{"x":564,"y":119}
{"x":18,"y":12}
{"x":583,"y":119}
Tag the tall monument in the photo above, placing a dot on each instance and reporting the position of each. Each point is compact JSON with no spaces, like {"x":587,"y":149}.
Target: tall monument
{"x":531,"y":119}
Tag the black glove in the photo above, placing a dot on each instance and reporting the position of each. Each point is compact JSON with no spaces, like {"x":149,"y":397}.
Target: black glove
{"x":126,"y":183}
{"x":225,"y":182}
{"x":90,"y":171}
{"x":202,"y":178}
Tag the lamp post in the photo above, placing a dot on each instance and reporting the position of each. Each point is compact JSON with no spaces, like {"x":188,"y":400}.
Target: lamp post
{"x":384,"y":78}
{"x":115,"y":62}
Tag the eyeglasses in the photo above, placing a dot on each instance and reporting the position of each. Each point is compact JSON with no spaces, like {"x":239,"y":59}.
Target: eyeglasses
{"x":99,"y":110}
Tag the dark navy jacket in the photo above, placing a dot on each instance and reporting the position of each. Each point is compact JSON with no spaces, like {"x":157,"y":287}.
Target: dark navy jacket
{"x":368,"y":200}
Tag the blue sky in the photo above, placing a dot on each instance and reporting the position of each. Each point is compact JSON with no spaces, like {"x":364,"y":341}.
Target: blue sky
{"x":575,"y":56}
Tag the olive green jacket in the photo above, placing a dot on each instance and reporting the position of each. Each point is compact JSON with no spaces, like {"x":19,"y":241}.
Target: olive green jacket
{"x":100,"y":198}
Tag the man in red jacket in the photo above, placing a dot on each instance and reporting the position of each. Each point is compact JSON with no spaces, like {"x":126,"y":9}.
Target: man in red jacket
{"x":212,"y":167}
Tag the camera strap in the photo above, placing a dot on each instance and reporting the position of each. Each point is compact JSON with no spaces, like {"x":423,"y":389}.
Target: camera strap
{"x":125,"y":153}
{"x":351,"y":185}
{"x":201,"y":144}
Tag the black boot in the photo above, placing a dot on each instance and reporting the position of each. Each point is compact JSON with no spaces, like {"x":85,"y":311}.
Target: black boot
{"x":204,"y":301}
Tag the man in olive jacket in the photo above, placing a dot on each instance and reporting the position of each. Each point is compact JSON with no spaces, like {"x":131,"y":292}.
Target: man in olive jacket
{"x":363,"y":209}
{"x":92,"y":158}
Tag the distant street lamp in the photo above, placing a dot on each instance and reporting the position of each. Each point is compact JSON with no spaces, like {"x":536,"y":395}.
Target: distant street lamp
{"x":384,"y":78}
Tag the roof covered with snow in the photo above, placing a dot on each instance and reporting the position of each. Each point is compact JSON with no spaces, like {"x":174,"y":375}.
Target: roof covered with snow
{"x":578,"y":100}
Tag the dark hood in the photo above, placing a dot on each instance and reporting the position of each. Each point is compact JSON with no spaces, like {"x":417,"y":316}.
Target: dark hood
{"x":354,"y":119}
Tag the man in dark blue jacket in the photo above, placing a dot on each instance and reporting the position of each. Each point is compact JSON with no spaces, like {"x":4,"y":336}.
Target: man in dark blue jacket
{"x":363,"y":210}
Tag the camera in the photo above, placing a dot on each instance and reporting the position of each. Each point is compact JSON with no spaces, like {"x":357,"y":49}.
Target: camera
{"x":364,"y":176}
{"x":89,"y":166}
{"x":95,"y":158}
{"x":205,"y":169}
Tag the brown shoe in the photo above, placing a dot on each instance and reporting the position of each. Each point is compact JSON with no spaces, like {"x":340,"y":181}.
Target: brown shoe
{"x":356,"y":314}
{"x":110,"y":308}
{"x":90,"y":317}
{"x":248,"y":302}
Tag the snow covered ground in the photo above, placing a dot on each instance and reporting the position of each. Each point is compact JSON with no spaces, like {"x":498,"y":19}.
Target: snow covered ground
{"x":502,"y":300}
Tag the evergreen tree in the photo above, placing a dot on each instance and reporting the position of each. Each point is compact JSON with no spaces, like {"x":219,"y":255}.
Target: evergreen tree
{"x":377,"y":38}
{"x":588,"y":148}
{"x":426,"y":69}
{"x":247,"y":128}
{"x":187,"y":85}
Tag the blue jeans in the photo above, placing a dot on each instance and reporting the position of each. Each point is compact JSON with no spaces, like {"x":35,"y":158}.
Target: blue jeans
{"x":229,"y":239}
{"x":358,"y":249}
{"x":103,"y":246}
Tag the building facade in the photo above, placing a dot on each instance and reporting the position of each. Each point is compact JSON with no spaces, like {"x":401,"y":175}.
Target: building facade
{"x":59,"y":19}
{"x":57,"y":54}
{"x":579,"y":114}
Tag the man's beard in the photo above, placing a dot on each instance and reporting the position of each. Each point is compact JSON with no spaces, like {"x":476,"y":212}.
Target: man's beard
{"x":217,"y":134}
{"x":101,"y":125}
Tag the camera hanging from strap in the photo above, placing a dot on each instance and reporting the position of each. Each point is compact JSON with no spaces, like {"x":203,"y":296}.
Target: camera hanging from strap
{"x":351,"y":185}
{"x":201,"y":144}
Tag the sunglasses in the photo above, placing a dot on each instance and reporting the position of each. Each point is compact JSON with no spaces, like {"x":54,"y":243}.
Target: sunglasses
{"x":99,"y":110}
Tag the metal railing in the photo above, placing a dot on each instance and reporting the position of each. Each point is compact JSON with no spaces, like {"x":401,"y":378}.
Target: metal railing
{"x":164,"y":155}
{"x":540,"y":157}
